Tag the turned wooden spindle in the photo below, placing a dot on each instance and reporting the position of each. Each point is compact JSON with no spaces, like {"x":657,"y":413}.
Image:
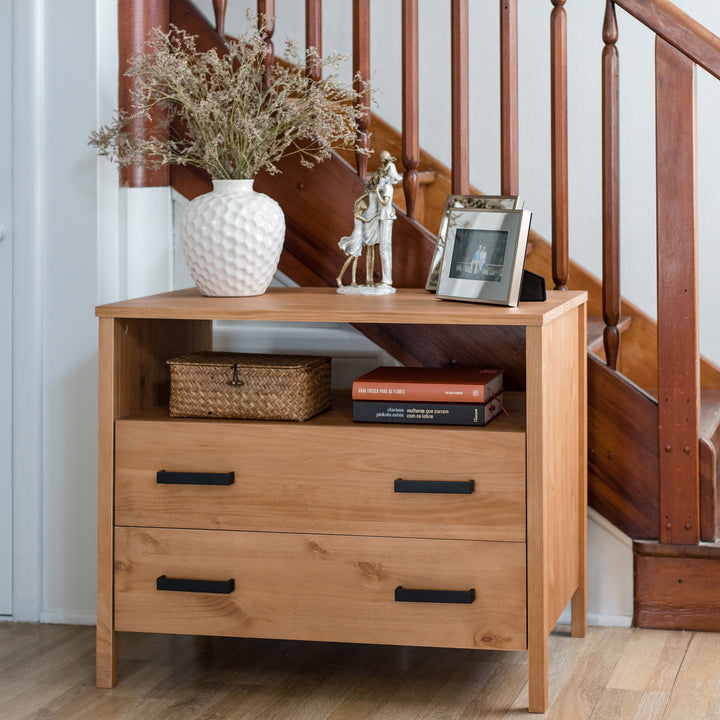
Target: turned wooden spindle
{"x":509,"y":154}
{"x":313,"y":34}
{"x":460,"y":104}
{"x":410,"y":104}
{"x":220,"y":8}
{"x":610,"y":188}
{"x":266,"y":23}
{"x":361,"y":73}
{"x":559,"y":144}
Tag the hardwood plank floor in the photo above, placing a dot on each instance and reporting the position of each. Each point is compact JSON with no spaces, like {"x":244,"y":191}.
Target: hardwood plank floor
{"x":47,"y":673}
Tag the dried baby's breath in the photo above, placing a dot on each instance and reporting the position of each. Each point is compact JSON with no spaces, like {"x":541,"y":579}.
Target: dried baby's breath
{"x":232,"y":126}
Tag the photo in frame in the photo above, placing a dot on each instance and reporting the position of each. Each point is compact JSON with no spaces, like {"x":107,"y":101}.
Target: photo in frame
{"x":455,"y":206}
{"x":484,"y":256}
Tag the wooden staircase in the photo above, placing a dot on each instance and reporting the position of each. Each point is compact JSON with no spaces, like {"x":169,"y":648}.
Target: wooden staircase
{"x":660,"y":489}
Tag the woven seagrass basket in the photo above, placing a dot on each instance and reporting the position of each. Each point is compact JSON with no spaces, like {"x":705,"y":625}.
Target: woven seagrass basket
{"x":249,"y":386}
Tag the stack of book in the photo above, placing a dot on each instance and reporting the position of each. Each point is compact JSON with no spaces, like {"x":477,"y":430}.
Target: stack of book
{"x":434,"y":396}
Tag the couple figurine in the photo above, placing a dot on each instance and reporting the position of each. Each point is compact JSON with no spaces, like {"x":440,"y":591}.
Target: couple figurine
{"x":374,"y":215}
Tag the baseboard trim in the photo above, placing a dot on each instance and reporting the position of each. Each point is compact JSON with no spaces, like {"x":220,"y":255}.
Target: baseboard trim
{"x":55,"y":618}
{"x":600,"y":620}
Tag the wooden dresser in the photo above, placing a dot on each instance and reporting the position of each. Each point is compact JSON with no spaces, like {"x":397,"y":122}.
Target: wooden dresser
{"x":311,"y":530}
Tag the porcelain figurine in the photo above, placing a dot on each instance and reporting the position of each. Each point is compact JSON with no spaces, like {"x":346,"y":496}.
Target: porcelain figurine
{"x":373,"y":218}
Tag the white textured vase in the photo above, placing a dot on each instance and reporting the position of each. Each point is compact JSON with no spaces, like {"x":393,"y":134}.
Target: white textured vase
{"x":232,"y":238}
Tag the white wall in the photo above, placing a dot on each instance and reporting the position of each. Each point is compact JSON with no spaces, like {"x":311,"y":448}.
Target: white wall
{"x":54,"y":330}
{"x":6,"y":286}
{"x":69,"y":328}
{"x":74,"y":248}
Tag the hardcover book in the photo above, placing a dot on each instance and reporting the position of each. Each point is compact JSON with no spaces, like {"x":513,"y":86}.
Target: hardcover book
{"x":428,"y":413}
{"x":428,"y":384}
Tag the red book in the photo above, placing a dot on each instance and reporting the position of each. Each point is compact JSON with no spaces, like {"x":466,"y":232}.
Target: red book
{"x":428,"y":384}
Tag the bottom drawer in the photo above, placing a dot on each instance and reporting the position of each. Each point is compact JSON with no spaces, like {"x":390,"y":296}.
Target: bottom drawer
{"x":321,"y":587}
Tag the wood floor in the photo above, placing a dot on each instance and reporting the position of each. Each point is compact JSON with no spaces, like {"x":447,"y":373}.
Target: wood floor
{"x":47,"y":672}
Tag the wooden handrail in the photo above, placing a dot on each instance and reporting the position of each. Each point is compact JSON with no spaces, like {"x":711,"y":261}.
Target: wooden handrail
{"x":679,"y":30}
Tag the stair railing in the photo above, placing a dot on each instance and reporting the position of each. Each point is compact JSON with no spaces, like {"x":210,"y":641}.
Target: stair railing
{"x":137,"y":17}
{"x":681,"y":43}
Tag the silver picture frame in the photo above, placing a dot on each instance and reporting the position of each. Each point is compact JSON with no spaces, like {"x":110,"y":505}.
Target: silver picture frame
{"x":484,"y":256}
{"x":456,"y":204}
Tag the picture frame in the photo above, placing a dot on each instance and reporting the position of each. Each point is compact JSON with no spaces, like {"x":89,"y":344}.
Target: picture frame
{"x":484,"y":256}
{"x":456,"y":204}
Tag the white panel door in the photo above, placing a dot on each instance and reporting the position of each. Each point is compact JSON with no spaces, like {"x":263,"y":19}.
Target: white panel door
{"x":6,"y":294}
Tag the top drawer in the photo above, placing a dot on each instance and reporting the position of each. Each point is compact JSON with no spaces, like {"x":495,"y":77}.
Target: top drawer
{"x":323,"y":478}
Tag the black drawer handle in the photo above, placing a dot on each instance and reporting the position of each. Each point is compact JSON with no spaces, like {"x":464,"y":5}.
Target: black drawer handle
{"x":222,"y":587}
{"x":195,"y":478}
{"x":462,"y":597}
{"x":454,"y":487}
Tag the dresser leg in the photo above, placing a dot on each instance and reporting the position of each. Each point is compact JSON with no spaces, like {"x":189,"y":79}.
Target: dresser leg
{"x":106,"y":658}
{"x":538,"y":673}
{"x":578,"y":613}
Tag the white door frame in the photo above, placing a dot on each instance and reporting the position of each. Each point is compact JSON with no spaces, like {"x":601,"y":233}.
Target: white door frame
{"x":28,"y":93}
{"x":6,"y":240}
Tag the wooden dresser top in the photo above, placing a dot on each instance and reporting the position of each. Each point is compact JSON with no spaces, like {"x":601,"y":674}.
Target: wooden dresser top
{"x":324,"y":304}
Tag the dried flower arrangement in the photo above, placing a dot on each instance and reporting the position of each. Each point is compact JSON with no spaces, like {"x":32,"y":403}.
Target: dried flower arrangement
{"x":233,"y":127}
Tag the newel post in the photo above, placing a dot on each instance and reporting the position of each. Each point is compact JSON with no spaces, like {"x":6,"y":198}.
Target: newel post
{"x":135,"y":20}
{"x":678,"y":352}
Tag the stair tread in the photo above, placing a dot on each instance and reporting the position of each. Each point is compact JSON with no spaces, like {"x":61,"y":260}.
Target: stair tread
{"x":595,"y":328}
{"x":703,"y":550}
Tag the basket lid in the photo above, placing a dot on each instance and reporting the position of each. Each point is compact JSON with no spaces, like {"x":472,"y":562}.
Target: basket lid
{"x":228,"y":359}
